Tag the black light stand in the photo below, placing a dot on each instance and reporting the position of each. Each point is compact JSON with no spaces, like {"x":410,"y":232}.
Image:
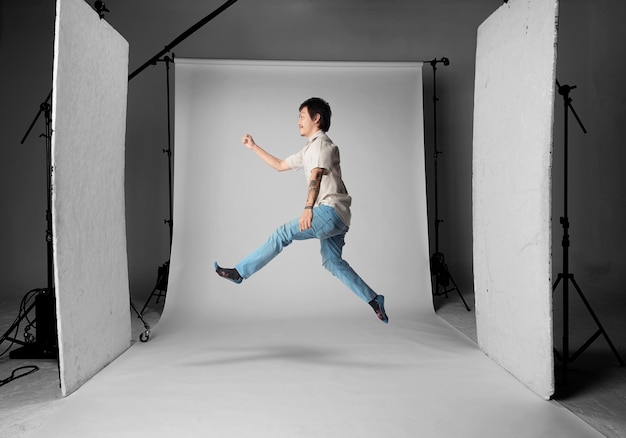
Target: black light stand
{"x":100,"y":8}
{"x":438,"y":266}
{"x":44,"y":344}
{"x":160,"y":288}
{"x":566,"y":275}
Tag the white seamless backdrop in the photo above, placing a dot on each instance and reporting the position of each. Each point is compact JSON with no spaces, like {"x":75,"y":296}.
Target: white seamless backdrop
{"x":227,"y":201}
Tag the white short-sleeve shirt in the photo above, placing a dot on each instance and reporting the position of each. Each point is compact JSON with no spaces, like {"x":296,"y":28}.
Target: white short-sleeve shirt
{"x":321,"y":152}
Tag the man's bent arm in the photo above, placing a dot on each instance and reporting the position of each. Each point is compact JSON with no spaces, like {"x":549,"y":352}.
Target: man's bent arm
{"x":314,"y":186}
{"x":269,"y":159}
{"x":306,"y":219}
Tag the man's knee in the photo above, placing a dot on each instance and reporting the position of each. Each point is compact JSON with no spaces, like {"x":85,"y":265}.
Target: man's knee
{"x":282,"y":235}
{"x":333,"y":264}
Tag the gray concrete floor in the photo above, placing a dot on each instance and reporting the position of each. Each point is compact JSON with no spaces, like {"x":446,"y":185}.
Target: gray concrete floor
{"x":27,"y":402}
{"x":596,"y":383}
{"x":595,"y":390}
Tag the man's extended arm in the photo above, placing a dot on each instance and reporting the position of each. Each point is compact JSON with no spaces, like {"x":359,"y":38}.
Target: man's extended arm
{"x":269,"y":159}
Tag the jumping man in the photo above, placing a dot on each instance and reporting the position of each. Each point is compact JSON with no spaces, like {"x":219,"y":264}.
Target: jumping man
{"x":326,"y":214}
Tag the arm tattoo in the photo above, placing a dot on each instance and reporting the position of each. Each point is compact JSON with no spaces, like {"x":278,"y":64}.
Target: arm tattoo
{"x":314,"y":188}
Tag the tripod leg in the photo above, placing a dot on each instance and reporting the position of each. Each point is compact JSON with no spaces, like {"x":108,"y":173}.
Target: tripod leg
{"x":161,"y":285}
{"x":595,"y":318}
{"x":149,"y":297}
{"x":585,"y":345}
{"x":457,"y":289}
{"x":139,"y":315}
{"x":440,"y":287}
{"x":145,"y":335}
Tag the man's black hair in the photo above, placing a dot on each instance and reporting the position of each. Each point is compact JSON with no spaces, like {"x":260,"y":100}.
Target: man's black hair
{"x":315,"y":106}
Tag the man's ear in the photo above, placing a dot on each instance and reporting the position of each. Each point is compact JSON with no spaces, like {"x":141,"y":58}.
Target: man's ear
{"x":317,"y":119}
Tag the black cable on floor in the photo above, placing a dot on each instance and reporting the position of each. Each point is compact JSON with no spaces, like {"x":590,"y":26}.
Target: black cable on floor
{"x":14,"y":375}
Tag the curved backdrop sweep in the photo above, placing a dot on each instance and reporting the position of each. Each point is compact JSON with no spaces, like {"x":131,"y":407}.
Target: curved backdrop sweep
{"x":227,"y":201}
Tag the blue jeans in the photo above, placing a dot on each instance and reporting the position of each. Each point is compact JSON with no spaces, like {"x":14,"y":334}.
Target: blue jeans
{"x":328,"y":227}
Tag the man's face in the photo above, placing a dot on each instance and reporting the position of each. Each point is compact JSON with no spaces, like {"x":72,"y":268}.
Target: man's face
{"x":307,"y":126}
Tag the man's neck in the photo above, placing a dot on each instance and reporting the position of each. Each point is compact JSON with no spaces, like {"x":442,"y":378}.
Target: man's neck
{"x":315,"y":134}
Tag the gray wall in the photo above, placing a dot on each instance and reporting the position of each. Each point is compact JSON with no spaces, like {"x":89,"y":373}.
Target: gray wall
{"x":591,"y":56}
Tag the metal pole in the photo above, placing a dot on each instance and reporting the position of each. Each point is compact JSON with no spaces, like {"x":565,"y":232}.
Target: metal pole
{"x":168,"y":48}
